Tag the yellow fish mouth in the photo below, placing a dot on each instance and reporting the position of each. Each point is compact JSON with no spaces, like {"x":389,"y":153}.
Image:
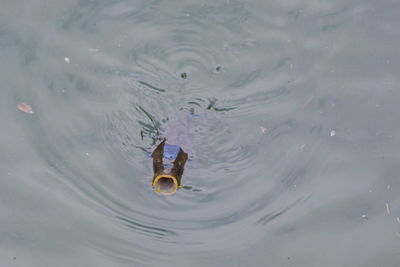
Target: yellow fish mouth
{"x":165,"y":184}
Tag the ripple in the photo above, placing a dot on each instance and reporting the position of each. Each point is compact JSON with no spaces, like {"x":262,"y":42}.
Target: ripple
{"x":115,"y":108}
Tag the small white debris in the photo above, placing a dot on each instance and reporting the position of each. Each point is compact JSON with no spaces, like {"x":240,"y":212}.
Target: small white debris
{"x":398,"y":219}
{"x":387,"y":208}
{"x":87,"y":153}
{"x":67,"y":59}
{"x":364,"y":216}
{"x":333,"y":133}
{"x":263,"y":130}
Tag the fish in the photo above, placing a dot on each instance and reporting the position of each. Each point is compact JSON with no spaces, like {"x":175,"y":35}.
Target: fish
{"x":168,"y":165}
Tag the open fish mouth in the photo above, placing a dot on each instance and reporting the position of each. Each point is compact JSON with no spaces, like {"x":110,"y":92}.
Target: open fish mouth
{"x":165,"y":184}
{"x":168,"y":172}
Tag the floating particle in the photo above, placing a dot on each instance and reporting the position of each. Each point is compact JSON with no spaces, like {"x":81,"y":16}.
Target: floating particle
{"x":264,"y":130}
{"x":25,"y":108}
{"x":364,"y":216}
{"x":67,"y":59}
{"x":387,"y":208}
{"x":93,"y":50}
{"x":333,"y":133}
{"x":218,"y":68}
{"x":398,"y":219}
{"x":183,"y":75}
{"x":309,"y":100}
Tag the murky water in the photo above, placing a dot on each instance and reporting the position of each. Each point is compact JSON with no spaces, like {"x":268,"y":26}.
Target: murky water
{"x":288,"y":110}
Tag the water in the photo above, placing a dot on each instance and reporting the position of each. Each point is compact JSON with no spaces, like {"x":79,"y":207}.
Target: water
{"x":287,"y":110}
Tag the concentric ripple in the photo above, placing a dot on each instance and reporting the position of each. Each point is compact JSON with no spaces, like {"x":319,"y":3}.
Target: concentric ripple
{"x":179,"y":81}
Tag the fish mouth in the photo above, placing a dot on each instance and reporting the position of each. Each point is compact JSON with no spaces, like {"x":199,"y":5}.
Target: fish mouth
{"x":165,"y":184}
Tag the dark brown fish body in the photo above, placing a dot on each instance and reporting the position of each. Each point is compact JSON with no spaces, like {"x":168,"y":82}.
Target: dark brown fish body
{"x":168,"y":164}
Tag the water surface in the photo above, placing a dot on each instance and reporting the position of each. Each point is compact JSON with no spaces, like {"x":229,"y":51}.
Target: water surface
{"x":287,"y":110}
